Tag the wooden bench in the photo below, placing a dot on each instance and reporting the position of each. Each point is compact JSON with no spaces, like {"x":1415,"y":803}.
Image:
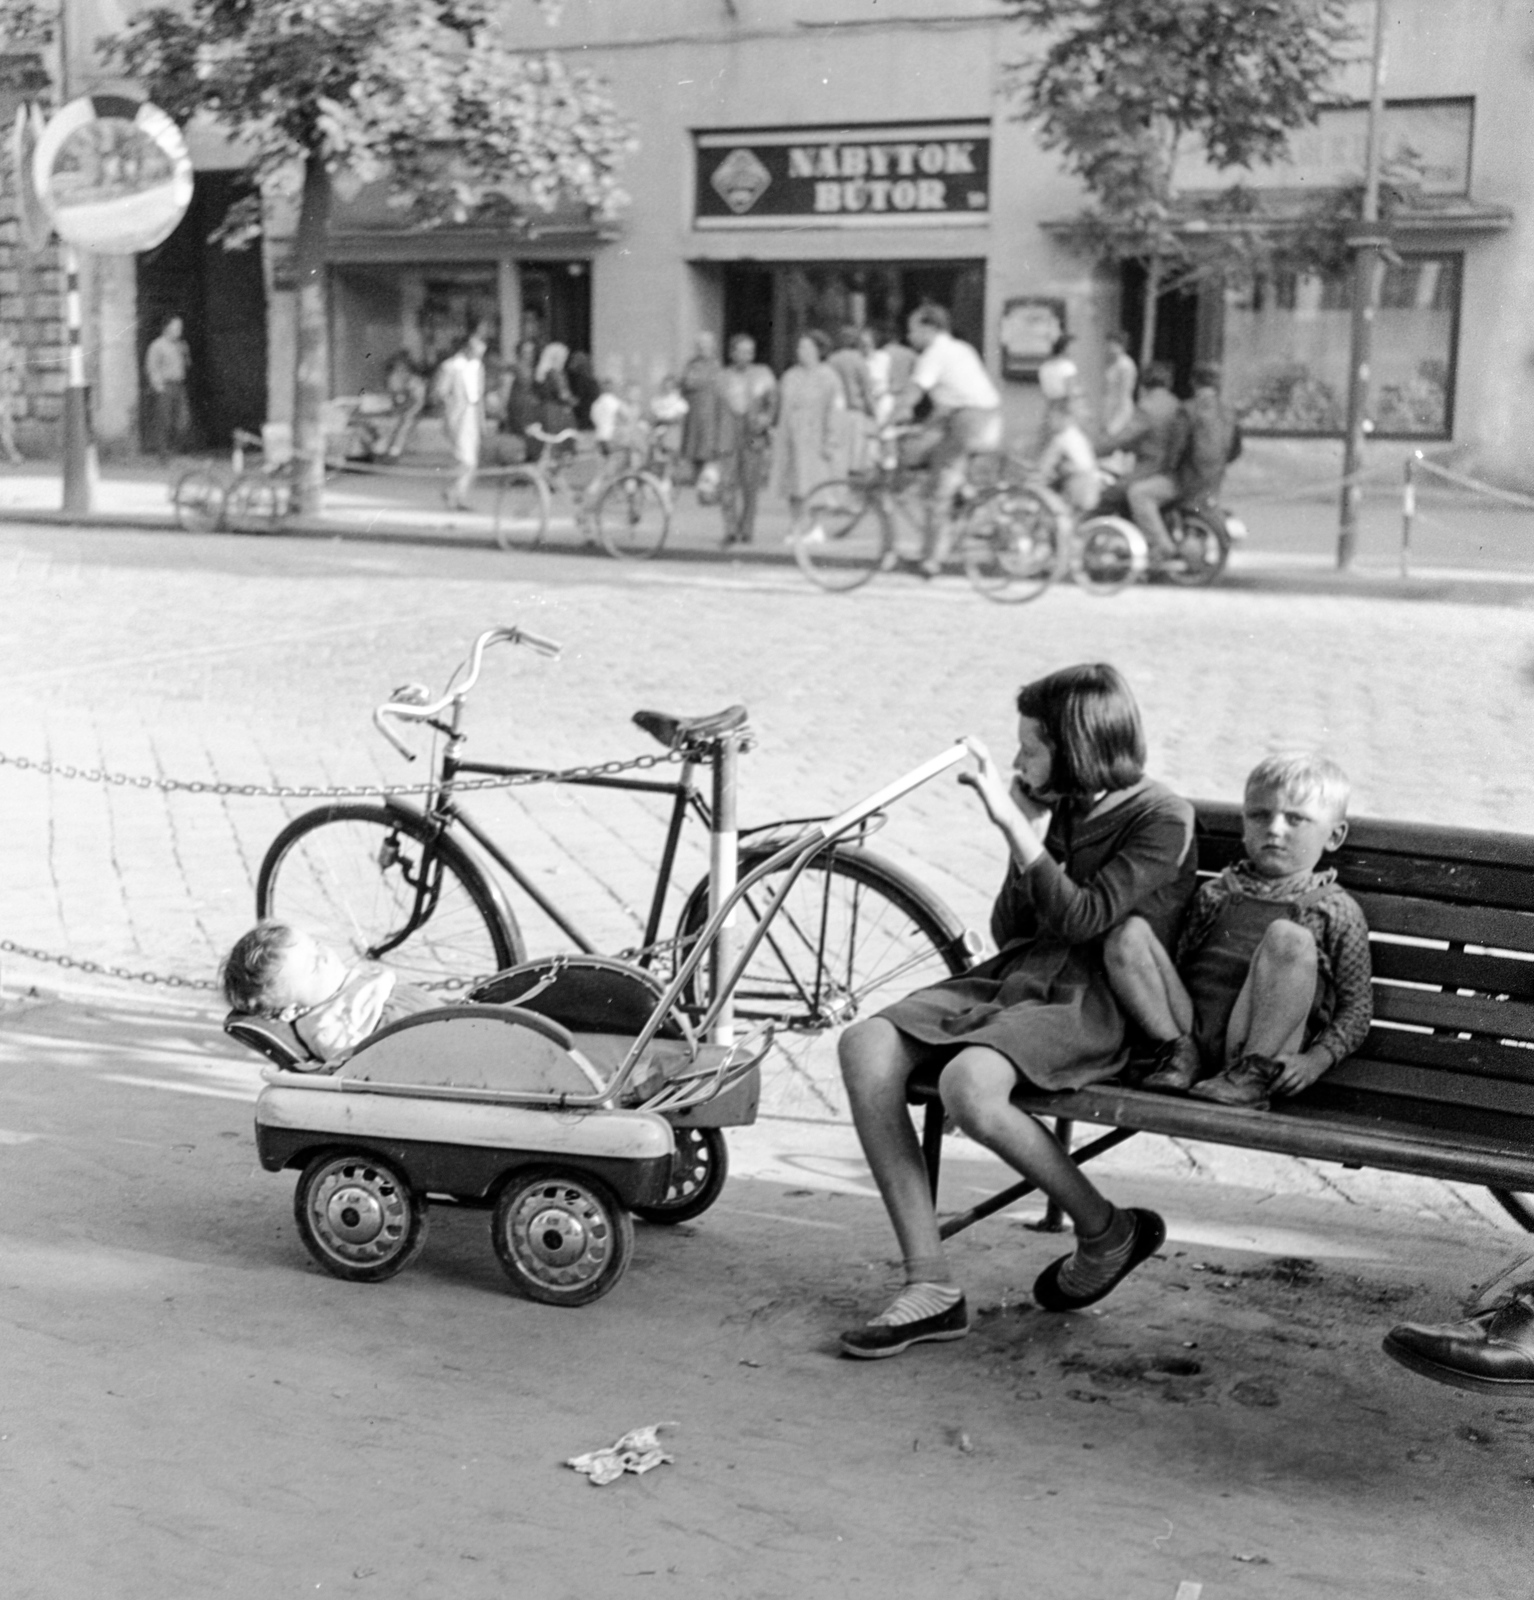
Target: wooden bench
{"x":1443,"y":1087}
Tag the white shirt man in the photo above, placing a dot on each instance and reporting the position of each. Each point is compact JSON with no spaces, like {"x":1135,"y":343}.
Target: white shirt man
{"x":461,"y":384}
{"x":966,"y":410}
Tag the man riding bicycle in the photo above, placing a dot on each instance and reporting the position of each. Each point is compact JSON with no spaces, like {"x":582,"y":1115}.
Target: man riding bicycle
{"x":966,"y":419}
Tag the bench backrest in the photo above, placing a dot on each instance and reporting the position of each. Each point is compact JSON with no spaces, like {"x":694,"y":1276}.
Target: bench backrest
{"x":1451,"y":921}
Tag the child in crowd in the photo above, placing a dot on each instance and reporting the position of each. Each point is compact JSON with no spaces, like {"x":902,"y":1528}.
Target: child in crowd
{"x":1271,"y":986}
{"x":282,"y":972}
{"x":1068,"y":464}
{"x":612,"y":417}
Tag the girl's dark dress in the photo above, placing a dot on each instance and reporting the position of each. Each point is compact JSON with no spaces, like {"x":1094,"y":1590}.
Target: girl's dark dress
{"x":1043,"y":1000}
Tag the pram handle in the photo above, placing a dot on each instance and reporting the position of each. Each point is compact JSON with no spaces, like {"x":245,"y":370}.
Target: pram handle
{"x":790,"y":860}
{"x":410,"y":705}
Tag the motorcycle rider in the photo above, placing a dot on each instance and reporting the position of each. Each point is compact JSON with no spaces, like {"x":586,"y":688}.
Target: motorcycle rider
{"x":1157,"y":434}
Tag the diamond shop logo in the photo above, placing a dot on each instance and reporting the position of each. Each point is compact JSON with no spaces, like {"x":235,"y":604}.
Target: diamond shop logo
{"x":740,"y":180}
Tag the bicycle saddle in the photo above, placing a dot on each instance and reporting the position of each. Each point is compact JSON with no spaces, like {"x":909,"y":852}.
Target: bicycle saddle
{"x":677,"y":732}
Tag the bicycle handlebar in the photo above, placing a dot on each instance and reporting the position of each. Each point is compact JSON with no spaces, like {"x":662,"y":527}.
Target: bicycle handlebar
{"x":413,"y":709}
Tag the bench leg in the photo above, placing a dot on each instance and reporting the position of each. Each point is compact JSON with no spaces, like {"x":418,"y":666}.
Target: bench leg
{"x":999,"y":1202}
{"x":1053,"y":1220}
{"x":932,"y":1142}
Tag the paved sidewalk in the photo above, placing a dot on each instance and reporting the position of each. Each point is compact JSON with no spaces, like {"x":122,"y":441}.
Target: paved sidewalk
{"x":1461,"y":546}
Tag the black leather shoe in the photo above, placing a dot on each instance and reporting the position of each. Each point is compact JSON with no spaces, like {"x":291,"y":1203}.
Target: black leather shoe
{"x":1177,"y":1066}
{"x":1493,"y":1352}
{"x":1248,"y":1083}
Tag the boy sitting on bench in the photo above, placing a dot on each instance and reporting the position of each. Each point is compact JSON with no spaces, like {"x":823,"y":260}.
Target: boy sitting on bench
{"x":1272,"y":982}
{"x":282,"y":972}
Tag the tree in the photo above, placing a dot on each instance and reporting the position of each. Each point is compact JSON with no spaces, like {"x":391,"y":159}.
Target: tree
{"x":426,"y":97}
{"x":1125,"y":86}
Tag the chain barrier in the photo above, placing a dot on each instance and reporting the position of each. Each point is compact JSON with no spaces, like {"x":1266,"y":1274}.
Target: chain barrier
{"x":317,"y":791}
{"x":166,"y":980}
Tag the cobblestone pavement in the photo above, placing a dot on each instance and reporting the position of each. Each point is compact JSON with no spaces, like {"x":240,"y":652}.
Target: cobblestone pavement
{"x":260,"y":660}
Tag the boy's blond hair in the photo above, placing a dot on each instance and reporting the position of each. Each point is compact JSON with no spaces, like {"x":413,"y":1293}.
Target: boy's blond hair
{"x":1306,"y":777}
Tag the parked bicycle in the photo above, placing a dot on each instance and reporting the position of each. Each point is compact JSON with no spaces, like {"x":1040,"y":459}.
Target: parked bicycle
{"x":612,"y":500}
{"x":413,"y":885}
{"x":873,"y":521}
{"x":254,"y":493}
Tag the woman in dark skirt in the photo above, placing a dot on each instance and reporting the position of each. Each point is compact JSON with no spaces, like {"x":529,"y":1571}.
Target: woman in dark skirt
{"x":1091,"y":840}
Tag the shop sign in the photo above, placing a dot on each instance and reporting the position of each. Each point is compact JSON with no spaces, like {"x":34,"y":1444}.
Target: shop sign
{"x":897,"y":174}
{"x":1424,"y":144}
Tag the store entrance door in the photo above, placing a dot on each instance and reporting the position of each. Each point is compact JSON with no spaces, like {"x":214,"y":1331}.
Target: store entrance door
{"x":556,"y":303}
{"x":776,"y":303}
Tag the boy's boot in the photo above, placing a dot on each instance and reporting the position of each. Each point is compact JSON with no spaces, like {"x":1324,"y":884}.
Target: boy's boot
{"x":1248,"y":1083}
{"x":1176,"y":1067}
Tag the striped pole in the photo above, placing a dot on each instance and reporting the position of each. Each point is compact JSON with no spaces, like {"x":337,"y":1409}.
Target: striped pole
{"x":79,"y":448}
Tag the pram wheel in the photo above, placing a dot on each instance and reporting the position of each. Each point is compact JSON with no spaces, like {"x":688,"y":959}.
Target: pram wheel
{"x":562,"y":1236}
{"x":701,"y":1166}
{"x":357,"y":1217}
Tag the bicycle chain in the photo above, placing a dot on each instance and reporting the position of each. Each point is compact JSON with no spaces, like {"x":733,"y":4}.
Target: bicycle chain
{"x":317,"y":791}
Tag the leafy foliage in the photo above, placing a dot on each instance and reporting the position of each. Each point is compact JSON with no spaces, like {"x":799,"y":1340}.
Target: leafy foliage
{"x":27,"y":24}
{"x":1124,"y":85}
{"x":426,"y":97}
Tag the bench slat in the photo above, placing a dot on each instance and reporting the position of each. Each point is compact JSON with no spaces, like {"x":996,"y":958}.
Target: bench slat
{"x":1396,"y":1079}
{"x":1317,"y":1135}
{"x":1508,"y":1019}
{"x":1427,"y":919}
{"x":1221,"y":819}
{"x":1453,"y":969}
{"x":1483,"y":1058}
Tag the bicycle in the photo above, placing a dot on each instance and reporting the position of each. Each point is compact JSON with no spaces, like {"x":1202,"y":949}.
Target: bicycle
{"x":240,"y":497}
{"x":624,"y":506}
{"x":411,"y":884}
{"x":873,"y":521}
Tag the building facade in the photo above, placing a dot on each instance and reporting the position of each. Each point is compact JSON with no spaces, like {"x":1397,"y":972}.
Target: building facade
{"x":836,"y":162}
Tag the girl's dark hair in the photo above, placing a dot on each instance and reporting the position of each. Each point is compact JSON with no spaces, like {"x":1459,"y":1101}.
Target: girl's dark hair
{"x":1092,"y":724}
{"x":820,"y":339}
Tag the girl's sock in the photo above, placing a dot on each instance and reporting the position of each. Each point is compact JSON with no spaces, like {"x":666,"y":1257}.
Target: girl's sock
{"x":918,"y":1301}
{"x":1098,"y":1259}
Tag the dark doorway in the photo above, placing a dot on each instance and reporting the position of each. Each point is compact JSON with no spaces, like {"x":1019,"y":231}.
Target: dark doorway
{"x":775,"y":304}
{"x":556,"y":303}
{"x":220,"y":296}
{"x":1187,"y":323}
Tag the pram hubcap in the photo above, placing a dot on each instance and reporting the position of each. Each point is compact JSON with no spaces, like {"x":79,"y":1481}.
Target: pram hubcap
{"x":562,"y":1237}
{"x":357,"y":1217}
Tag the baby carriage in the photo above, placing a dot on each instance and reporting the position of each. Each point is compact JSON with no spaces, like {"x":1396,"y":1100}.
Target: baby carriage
{"x":569,"y":1095}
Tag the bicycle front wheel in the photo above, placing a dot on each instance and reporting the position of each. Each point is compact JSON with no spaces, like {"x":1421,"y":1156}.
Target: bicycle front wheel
{"x":854,"y":934}
{"x":1202,"y":549}
{"x":1010,"y":542}
{"x":199,"y":500}
{"x":633,"y":516}
{"x":381,"y":885}
{"x":841,"y":535}
{"x":521,"y":512}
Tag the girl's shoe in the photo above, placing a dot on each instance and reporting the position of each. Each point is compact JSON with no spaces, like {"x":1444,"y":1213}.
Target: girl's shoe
{"x":1051,"y":1295}
{"x":878,"y":1338}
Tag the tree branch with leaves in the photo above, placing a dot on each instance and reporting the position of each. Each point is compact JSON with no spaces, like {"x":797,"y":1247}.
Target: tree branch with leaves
{"x":1123,"y":88}
{"x":426,"y":98}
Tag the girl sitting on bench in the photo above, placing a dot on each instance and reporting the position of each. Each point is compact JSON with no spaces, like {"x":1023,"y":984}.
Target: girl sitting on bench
{"x":1090,"y":840}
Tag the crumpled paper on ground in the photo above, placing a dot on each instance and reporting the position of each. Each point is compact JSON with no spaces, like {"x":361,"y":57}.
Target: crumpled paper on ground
{"x":634,"y":1452}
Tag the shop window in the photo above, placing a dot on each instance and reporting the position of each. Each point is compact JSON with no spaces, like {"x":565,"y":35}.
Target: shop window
{"x":1287,"y":341}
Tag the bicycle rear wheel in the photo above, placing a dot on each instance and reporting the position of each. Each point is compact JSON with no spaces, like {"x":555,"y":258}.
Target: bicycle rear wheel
{"x":633,"y":516}
{"x":199,"y":500}
{"x":521,"y":509}
{"x":382,"y":885}
{"x":1010,"y":542}
{"x":255,"y":504}
{"x":841,"y":535}
{"x":854,"y":934}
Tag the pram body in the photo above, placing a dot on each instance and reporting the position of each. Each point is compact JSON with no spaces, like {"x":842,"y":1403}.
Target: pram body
{"x":566,"y":1096}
